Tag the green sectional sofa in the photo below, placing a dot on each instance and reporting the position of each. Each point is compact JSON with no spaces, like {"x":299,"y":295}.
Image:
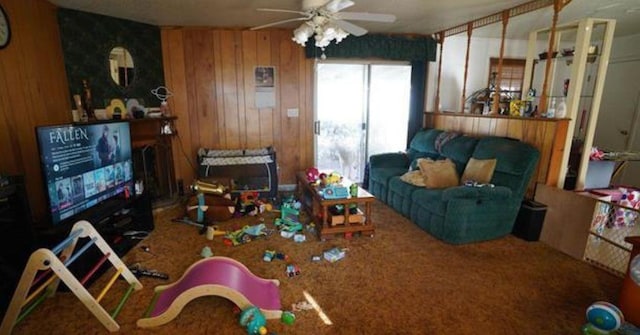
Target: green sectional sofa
{"x":461,"y":214}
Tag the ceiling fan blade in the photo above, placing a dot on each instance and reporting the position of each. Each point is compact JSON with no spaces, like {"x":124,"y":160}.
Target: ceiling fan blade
{"x":366,"y":17}
{"x":350,"y":27}
{"x":334,"y":6}
{"x":278,"y":22}
{"x":282,"y":11}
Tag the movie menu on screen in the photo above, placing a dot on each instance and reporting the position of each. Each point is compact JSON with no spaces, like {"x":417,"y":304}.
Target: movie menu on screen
{"x":84,"y":165}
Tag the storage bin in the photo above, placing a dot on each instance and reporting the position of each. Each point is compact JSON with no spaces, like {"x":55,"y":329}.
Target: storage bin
{"x":530,"y":220}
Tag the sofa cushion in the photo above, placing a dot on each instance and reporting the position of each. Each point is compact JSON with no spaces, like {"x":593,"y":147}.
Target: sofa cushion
{"x":459,"y":150}
{"x":413,"y":178}
{"x":382,"y":175}
{"x":515,"y":163}
{"x":438,"y":174}
{"x":479,"y":170}
{"x":424,"y":141}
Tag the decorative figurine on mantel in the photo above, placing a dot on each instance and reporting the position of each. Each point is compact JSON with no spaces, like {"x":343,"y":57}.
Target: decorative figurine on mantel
{"x":163,"y":94}
{"x":87,"y":104}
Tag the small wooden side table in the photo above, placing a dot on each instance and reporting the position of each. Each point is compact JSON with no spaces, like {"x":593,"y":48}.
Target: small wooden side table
{"x":318,"y":208}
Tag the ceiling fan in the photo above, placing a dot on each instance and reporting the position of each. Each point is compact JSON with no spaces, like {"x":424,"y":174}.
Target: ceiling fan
{"x":325,"y":20}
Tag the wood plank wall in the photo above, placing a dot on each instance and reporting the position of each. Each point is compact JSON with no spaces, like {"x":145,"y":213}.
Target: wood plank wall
{"x":33,"y":91}
{"x":211,"y":73}
{"x":547,"y":135}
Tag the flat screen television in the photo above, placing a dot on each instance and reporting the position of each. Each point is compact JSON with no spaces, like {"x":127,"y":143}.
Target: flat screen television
{"x":84,"y":164}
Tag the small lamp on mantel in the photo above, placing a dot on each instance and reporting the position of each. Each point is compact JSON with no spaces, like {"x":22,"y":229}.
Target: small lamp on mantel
{"x":163,"y":93}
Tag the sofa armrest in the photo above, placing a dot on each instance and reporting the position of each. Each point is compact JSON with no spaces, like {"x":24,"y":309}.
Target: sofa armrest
{"x":389,"y":160}
{"x":480,"y":193}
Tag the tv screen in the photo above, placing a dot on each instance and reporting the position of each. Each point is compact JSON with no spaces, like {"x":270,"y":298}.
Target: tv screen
{"x":84,"y":164}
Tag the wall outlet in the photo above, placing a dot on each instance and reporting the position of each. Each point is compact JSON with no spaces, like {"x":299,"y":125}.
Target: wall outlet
{"x":293,"y":112}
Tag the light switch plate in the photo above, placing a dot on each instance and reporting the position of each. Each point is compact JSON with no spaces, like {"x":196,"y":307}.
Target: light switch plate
{"x":293,"y":112}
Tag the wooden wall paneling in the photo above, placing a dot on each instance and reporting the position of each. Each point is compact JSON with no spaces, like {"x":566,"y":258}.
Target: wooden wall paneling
{"x":9,"y":144}
{"x":502,"y":127}
{"x":204,"y":80}
{"x":240,"y":92}
{"x":544,"y":141}
{"x":33,"y":86}
{"x":514,"y":128}
{"x":216,"y":72}
{"x":49,"y":70}
{"x":306,"y":112}
{"x":290,"y":85}
{"x":220,"y":135}
{"x":265,"y":115}
{"x":232,"y":129}
{"x":557,"y":152}
{"x":173,"y":52}
{"x":276,"y":129}
{"x":252,"y":114}
{"x":193,"y":95}
{"x":484,"y":126}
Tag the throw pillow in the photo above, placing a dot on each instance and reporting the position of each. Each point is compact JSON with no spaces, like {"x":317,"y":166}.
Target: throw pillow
{"x":479,"y":170}
{"x":439,"y":174}
{"x":413,"y":178}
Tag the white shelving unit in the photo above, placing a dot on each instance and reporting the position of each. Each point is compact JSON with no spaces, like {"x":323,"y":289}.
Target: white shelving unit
{"x":585,"y":68}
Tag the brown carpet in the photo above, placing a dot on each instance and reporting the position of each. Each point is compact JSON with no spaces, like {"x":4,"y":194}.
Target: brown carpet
{"x":402,"y":281}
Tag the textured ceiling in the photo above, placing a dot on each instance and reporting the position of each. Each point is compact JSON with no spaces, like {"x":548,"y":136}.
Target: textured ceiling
{"x":413,"y":16}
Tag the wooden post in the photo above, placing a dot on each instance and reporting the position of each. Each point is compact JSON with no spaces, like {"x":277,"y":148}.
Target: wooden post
{"x":466,"y":64}
{"x":496,"y":100}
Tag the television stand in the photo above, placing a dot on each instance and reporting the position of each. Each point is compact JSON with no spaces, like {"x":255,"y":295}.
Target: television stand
{"x":113,"y":219}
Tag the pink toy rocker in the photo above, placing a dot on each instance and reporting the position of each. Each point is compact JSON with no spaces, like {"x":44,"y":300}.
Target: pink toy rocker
{"x":217,"y":276}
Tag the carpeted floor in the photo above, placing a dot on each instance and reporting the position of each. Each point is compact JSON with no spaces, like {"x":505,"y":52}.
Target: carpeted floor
{"x":402,"y":281}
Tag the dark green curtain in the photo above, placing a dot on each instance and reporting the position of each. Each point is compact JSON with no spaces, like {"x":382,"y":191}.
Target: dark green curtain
{"x":392,"y":47}
{"x":416,"y":103}
{"x":418,"y":50}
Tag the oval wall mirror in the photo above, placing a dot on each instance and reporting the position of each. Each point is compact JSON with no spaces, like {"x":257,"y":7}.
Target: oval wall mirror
{"x":121,"y":66}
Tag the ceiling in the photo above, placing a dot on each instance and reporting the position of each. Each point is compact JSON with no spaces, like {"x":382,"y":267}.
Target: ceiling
{"x":413,"y":16}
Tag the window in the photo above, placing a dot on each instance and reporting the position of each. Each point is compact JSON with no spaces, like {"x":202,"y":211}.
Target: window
{"x":512,"y":76}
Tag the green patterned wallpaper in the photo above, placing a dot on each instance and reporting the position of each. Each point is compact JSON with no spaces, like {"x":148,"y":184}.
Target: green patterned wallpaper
{"x":87,"y":40}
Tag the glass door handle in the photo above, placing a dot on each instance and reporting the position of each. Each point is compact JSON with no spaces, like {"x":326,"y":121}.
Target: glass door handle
{"x":316,"y":127}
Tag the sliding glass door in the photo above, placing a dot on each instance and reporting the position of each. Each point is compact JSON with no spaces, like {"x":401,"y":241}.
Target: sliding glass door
{"x":361,"y":109}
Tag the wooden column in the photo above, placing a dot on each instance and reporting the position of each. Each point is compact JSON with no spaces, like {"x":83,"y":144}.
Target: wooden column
{"x":558,"y":5}
{"x":496,"y":101}
{"x":466,"y":65}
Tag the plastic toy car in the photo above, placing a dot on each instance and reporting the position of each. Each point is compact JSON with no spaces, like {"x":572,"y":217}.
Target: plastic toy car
{"x":292,"y":270}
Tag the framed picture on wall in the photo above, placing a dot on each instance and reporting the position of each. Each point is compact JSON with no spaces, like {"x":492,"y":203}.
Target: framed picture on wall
{"x":265,"y":77}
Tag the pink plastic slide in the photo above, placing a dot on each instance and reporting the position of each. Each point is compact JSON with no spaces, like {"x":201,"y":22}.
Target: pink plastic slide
{"x":217,"y":276}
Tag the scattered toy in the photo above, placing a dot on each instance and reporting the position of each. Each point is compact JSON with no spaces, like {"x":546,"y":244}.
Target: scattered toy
{"x":316,"y":258}
{"x":301,"y":306}
{"x":333,"y":255}
{"x":288,"y":318}
{"x":206,"y":252}
{"x":299,"y":238}
{"x":292,"y":270}
{"x":253,"y":319}
{"x":268,"y":255}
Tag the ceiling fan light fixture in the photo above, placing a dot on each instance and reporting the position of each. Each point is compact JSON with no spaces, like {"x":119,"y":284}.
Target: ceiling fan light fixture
{"x":302,"y":34}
